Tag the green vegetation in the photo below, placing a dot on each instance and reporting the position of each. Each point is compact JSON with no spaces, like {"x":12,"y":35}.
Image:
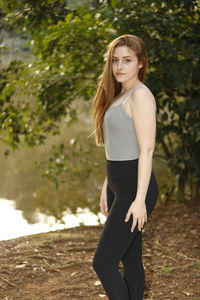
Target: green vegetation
{"x":165,"y":270}
{"x":67,"y":41}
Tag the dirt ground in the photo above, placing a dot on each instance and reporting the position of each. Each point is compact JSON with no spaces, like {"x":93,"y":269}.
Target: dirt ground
{"x":58,"y":265}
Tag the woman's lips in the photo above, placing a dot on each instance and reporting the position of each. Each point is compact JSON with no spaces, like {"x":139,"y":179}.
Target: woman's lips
{"x":119,"y":74}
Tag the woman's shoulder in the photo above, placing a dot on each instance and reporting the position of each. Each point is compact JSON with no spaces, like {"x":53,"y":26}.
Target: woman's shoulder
{"x":143,"y":95}
{"x":143,"y":89}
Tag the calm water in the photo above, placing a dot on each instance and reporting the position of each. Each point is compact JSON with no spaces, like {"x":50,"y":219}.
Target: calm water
{"x":12,"y":223}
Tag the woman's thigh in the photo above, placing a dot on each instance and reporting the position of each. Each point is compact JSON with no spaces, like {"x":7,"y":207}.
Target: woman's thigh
{"x":116,"y":235}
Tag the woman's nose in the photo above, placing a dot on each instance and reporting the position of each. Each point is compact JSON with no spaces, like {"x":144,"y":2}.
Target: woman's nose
{"x":119,"y":65}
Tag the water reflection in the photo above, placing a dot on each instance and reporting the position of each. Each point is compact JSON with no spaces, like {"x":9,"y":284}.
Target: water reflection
{"x":33,"y":196}
{"x":12,"y":223}
{"x":19,"y":178}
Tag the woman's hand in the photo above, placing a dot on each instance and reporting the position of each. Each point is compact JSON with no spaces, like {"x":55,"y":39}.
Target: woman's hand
{"x":139,"y":212}
{"x":103,"y":200}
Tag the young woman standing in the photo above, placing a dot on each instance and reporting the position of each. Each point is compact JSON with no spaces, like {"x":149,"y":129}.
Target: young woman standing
{"x":124,"y":113}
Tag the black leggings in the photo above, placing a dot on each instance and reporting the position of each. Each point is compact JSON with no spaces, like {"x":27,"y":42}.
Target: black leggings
{"x":117,"y":242}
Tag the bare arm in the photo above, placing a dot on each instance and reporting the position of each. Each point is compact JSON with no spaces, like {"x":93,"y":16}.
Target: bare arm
{"x":103,"y":199}
{"x":143,"y":112}
{"x":144,"y":117}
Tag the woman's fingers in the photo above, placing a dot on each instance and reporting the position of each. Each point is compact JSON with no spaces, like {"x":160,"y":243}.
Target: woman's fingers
{"x":127,"y":216}
{"x":104,"y":208}
{"x":105,"y":212}
{"x":140,"y":223}
{"x":133,"y":224}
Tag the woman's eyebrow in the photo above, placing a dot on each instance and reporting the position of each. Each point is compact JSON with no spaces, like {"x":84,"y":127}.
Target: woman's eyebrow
{"x":123,"y":56}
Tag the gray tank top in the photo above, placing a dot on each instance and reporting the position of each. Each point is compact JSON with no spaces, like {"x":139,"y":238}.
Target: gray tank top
{"x":120,"y":139}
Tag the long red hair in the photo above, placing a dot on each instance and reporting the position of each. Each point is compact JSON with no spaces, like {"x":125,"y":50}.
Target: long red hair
{"x":108,"y":87}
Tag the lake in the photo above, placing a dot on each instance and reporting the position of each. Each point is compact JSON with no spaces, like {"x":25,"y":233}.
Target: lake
{"x":13,"y":225}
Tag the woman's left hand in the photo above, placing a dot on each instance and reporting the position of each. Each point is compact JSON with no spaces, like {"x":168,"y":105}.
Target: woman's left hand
{"x":139,"y":212}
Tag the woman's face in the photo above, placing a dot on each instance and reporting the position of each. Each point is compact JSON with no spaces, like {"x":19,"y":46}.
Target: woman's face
{"x":125,"y":64}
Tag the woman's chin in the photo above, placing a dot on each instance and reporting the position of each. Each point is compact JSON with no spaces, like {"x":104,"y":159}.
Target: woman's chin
{"x":120,"y":79}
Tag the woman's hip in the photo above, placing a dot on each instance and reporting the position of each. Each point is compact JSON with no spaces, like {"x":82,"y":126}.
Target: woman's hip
{"x":122,"y":178}
{"x":121,"y":168}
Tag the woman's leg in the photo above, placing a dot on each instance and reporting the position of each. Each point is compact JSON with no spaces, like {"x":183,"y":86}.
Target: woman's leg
{"x":134,"y":273}
{"x":115,"y":239}
{"x":117,"y":243}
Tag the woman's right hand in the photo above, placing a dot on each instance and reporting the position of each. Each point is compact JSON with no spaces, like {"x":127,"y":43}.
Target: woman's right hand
{"x":103,"y":200}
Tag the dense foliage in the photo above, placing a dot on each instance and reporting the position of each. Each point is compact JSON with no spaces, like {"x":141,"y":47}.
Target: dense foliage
{"x":67,"y":40}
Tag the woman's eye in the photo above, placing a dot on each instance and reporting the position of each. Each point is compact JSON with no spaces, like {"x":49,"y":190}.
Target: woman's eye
{"x":124,"y":61}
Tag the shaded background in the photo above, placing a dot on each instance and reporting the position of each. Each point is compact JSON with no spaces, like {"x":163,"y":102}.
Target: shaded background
{"x":52,"y":53}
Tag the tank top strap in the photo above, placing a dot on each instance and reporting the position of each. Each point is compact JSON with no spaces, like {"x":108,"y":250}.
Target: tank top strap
{"x":131,"y":93}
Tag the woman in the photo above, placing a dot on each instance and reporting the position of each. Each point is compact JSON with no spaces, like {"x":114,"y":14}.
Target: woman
{"x":124,"y":113}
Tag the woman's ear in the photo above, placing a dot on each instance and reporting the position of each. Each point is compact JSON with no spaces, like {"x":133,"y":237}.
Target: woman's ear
{"x":140,"y":65}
